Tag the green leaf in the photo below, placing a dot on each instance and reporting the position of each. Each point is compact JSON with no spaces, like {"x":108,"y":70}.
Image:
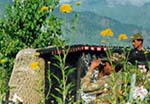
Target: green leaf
{"x":57,"y":78}
{"x":69,"y":71}
{"x":57,"y":65}
{"x":58,"y":99}
{"x":59,"y":90}
{"x":69,"y":87}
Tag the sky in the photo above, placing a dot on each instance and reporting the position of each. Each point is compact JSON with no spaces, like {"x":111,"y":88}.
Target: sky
{"x":128,"y":2}
{"x":134,"y":12}
{"x":116,"y":2}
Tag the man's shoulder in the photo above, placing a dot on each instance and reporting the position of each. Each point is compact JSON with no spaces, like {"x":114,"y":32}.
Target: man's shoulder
{"x":142,"y":50}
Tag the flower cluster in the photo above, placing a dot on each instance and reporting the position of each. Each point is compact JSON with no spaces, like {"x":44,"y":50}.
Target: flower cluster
{"x":3,"y":60}
{"x":146,"y":52}
{"x":122,"y":37}
{"x":44,"y":9}
{"x":34,"y":65}
{"x":142,"y":68}
{"x":140,"y":93}
{"x":107,"y":32}
{"x":65,"y":8}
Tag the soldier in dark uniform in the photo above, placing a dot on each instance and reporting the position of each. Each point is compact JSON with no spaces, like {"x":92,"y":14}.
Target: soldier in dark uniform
{"x":137,"y":55}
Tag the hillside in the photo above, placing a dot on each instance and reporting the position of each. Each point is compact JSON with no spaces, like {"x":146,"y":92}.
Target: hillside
{"x":90,"y":25}
{"x":3,"y":4}
{"x":126,"y":11}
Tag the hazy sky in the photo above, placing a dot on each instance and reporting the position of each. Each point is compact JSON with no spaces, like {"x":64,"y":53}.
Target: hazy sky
{"x":134,"y":12}
{"x":126,"y":11}
{"x":116,"y":2}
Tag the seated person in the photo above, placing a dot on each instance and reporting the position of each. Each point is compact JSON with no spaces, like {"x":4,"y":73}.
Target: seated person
{"x":106,"y":70}
{"x":98,"y":87}
{"x":135,"y":57}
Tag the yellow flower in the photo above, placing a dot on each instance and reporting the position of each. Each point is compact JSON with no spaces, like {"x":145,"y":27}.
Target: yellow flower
{"x":122,"y":37}
{"x":34,"y":65}
{"x":2,"y":61}
{"x":146,"y":52}
{"x":106,"y":32}
{"x":37,"y":54}
{"x":78,"y":3}
{"x":65,"y":8}
{"x":44,"y":9}
{"x":49,"y":62}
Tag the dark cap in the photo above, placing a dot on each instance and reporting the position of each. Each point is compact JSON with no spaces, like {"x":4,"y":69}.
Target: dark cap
{"x":137,"y":36}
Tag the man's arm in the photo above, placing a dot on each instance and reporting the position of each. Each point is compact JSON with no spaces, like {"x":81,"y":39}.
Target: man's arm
{"x":86,"y":83}
{"x":88,"y":86}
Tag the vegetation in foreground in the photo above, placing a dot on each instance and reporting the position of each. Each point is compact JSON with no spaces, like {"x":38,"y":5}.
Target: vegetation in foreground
{"x":32,"y":24}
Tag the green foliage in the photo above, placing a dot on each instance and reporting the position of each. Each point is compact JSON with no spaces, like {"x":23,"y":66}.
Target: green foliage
{"x":130,"y":85}
{"x":32,"y":24}
{"x":3,"y":82}
{"x":65,"y":88}
{"x":27,"y":24}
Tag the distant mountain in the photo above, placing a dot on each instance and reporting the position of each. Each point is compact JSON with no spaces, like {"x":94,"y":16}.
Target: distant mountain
{"x":90,"y":24}
{"x":95,"y":16}
{"x":3,"y":4}
{"x":123,"y":12}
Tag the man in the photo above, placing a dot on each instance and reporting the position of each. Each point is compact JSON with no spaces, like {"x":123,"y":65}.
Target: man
{"x":99,"y":90}
{"x":137,"y":55}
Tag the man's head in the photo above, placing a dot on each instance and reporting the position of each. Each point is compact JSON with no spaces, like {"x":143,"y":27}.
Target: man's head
{"x":137,"y":40}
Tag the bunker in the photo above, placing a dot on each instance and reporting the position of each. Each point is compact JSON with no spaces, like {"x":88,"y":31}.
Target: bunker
{"x":31,"y":85}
